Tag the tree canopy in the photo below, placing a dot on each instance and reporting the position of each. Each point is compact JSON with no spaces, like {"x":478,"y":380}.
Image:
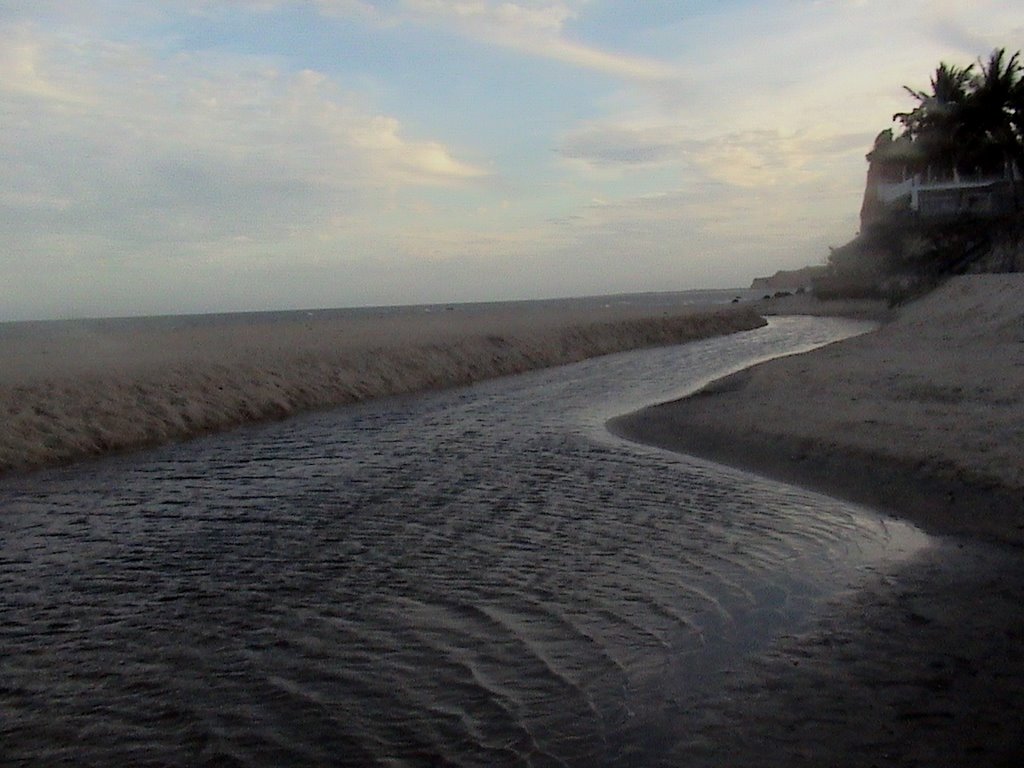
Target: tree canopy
{"x":972,"y":119}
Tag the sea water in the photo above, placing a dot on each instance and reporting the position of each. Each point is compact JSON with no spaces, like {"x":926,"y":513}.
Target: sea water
{"x":652,"y":301}
{"x":478,"y":577}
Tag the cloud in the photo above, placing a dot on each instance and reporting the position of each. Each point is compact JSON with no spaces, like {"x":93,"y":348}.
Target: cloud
{"x":424,"y":162}
{"x":121,"y":144}
{"x":748,"y":159}
{"x":183,"y":156}
{"x":21,"y":69}
{"x":535,"y":29}
{"x":799,"y":109}
{"x":759,"y":159}
{"x":521,"y":18}
{"x":613,"y":145}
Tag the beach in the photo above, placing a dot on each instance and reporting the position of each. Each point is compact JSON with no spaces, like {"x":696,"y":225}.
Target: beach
{"x":921,"y":419}
{"x":919,"y":665}
{"x":71,"y":390}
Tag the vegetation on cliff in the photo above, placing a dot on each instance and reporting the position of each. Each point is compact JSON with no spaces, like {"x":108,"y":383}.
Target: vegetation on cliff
{"x":971,"y":121}
{"x":944,"y":196}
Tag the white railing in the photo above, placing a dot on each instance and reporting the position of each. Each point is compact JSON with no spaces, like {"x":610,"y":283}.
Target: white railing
{"x":890,"y":192}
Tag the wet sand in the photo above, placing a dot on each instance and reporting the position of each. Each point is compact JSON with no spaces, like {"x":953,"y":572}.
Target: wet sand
{"x":921,"y":419}
{"x":74,"y":390}
{"x":923,"y":667}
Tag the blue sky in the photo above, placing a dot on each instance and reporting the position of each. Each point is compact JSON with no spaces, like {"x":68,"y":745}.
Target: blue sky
{"x":205,"y":155}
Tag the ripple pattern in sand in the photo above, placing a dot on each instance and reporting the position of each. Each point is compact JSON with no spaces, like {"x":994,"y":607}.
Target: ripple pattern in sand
{"x":475,"y":578}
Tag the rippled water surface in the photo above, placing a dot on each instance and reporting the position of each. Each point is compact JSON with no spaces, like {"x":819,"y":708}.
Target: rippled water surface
{"x":481,"y":577}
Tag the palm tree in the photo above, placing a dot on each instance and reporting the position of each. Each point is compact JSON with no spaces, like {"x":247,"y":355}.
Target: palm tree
{"x":936,"y":125}
{"x":992,"y":107}
{"x":972,"y":121}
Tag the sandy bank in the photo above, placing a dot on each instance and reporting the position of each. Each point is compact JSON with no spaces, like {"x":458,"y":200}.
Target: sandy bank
{"x":921,"y":418}
{"x":74,"y":390}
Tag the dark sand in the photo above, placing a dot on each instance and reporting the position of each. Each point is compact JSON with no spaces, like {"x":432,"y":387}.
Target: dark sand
{"x":922,"y":419}
{"x":923,"y":667}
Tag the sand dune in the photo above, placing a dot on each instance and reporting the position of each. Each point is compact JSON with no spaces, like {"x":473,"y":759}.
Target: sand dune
{"x":69,"y":391}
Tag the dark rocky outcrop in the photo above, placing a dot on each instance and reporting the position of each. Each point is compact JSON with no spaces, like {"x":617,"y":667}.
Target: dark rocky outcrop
{"x":789,"y":279}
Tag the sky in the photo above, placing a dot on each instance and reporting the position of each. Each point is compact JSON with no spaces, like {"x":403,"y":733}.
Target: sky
{"x":225,"y":155}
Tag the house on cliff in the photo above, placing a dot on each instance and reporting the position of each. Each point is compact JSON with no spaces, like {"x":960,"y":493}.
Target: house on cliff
{"x":900,"y":178}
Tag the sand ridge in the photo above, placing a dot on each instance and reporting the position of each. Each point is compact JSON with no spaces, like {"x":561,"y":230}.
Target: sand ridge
{"x":69,"y":391}
{"x":921,"y":417}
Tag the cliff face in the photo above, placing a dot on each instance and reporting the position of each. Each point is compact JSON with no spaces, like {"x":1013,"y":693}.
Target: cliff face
{"x":901,"y":252}
{"x":899,"y":257}
{"x":890,"y":160}
{"x":871,"y":208}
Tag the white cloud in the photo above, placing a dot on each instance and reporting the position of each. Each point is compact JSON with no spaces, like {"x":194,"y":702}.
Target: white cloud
{"x":749,"y":159}
{"x":775,"y":126}
{"x":534,"y":28}
{"x":425,"y":162}
{"x":612,"y":144}
{"x":116,"y":142}
{"x":21,"y":68}
{"x":536,"y":17}
{"x":139,"y":145}
{"x":761,"y":159}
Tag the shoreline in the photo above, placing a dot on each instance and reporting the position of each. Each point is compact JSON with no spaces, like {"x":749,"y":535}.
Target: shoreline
{"x":937,"y":499}
{"x":918,"y":419}
{"x":75,"y":392}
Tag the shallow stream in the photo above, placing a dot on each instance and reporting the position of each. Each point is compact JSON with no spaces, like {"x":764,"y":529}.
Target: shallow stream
{"x":478,"y":577}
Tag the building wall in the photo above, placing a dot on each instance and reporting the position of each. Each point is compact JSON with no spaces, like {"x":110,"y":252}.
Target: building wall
{"x":991,"y":200}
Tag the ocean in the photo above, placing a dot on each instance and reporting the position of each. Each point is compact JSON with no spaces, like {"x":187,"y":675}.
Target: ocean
{"x":669,"y":300}
{"x":477,"y":577}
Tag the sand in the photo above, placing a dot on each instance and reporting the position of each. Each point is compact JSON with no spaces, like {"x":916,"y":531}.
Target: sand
{"x":919,"y":667}
{"x":922,"y":664}
{"x":921,"y":418}
{"x":75,"y":390}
